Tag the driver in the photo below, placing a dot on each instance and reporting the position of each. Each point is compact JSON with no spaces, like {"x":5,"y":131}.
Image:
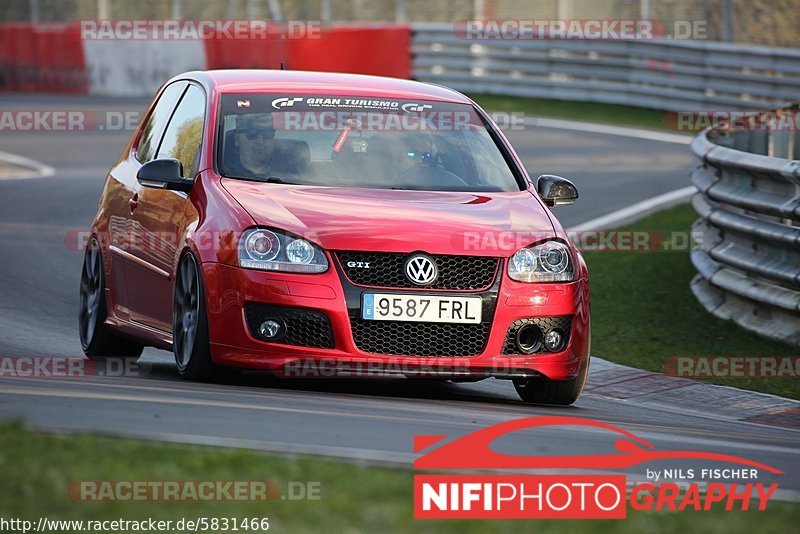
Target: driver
{"x":253,"y":139}
{"x":420,"y":167}
{"x":417,"y":151}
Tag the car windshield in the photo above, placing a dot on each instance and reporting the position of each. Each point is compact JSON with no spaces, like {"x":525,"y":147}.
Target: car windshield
{"x":353,"y":141}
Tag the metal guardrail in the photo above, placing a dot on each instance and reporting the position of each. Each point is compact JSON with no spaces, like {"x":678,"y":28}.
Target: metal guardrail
{"x":748,"y":259}
{"x":662,"y":74}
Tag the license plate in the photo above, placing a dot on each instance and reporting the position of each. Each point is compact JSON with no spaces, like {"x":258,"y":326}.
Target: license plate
{"x":423,"y":308}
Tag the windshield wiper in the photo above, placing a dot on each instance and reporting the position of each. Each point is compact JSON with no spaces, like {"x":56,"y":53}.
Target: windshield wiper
{"x":276,"y":180}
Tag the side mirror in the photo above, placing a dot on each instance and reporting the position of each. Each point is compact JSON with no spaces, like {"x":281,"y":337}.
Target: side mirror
{"x":556,"y":191}
{"x":166,"y":173}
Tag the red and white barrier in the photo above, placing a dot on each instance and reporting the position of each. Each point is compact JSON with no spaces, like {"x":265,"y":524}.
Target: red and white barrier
{"x":54,"y":57}
{"x":46,"y":57}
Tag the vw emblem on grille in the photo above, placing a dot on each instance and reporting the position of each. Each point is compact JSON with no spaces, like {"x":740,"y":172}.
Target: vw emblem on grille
{"x":421,"y":270}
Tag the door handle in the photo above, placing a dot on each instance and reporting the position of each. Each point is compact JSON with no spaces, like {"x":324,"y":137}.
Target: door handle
{"x":134,"y":202}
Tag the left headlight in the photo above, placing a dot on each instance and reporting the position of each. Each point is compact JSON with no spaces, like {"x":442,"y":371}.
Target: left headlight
{"x":550,"y":261}
{"x":273,"y":251}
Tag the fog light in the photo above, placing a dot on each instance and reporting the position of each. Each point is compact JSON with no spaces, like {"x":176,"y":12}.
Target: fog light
{"x":270,"y":329}
{"x":553,"y":340}
{"x":529,"y":339}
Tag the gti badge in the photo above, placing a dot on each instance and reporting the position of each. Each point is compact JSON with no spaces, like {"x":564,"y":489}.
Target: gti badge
{"x":358,"y":264}
{"x":421,"y":269}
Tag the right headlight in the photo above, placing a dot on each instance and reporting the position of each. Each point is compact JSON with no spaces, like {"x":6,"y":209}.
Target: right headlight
{"x":267,"y":250}
{"x":550,"y":261}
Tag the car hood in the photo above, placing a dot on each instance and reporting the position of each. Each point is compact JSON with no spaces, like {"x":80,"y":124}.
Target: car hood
{"x":385,"y":220}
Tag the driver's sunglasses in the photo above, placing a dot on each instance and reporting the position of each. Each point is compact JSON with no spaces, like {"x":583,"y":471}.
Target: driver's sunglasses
{"x":254,"y":133}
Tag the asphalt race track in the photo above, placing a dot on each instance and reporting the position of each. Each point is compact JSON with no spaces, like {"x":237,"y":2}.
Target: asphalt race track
{"x":370,"y":419}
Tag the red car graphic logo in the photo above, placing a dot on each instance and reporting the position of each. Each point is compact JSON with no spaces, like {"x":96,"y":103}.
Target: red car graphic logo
{"x":473,"y":451}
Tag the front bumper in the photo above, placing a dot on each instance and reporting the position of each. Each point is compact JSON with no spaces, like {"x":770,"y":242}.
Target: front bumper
{"x":228,"y":288}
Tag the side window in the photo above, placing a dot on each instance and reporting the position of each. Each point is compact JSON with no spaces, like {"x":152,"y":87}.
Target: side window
{"x":185,"y":130}
{"x":148,"y":142}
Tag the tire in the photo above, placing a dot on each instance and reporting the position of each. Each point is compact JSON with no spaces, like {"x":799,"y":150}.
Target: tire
{"x":190,"y":342}
{"x":97,"y":341}
{"x":540,"y":390}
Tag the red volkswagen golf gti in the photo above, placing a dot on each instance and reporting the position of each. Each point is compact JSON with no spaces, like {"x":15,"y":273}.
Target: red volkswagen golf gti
{"x":315,"y":224}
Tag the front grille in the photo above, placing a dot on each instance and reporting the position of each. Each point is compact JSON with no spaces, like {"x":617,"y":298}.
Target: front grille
{"x":387,"y":269}
{"x":404,"y":338}
{"x":545,"y":324}
{"x":304,"y":328}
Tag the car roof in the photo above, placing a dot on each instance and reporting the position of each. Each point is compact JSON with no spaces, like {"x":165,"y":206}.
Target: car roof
{"x":308,"y":82}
